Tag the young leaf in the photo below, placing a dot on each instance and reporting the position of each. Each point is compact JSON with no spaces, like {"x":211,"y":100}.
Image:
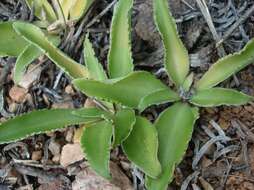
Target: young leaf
{"x":42,"y":9}
{"x":227,"y":66}
{"x":158,"y":97}
{"x":37,"y":122}
{"x":29,"y":54}
{"x":123,"y":124}
{"x":11,"y":44}
{"x":128,"y":91}
{"x":96,"y":142}
{"x":79,"y":9}
{"x":120,"y":61}
{"x":219,"y":96}
{"x":174,"y":126}
{"x":38,"y":38}
{"x":94,"y":67}
{"x":176,"y":56}
{"x":141,"y":147}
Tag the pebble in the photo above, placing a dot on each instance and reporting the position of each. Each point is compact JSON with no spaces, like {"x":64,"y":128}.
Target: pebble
{"x":37,"y":155}
{"x":71,"y":153}
{"x":54,"y":147}
{"x":18,"y":94}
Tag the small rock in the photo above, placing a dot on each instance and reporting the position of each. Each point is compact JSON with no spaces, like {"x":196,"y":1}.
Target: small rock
{"x":87,"y":179}
{"x":69,"y":89}
{"x":54,"y":147}
{"x":55,"y":185}
{"x":13,"y":107}
{"x":69,"y":135}
{"x":89,"y":103}
{"x":71,"y":153}
{"x":27,"y":187}
{"x":33,"y":74}
{"x":56,"y":159}
{"x":17,"y":94}
{"x":63,"y":105}
{"x":37,"y":155}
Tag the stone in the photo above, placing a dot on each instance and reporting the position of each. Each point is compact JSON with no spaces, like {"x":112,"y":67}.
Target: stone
{"x":87,"y":179}
{"x":54,"y":147}
{"x":71,"y":153}
{"x":37,"y":155}
{"x":17,"y":94}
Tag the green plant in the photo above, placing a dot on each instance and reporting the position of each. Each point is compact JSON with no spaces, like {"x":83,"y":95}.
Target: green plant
{"x":155,"y":149}
{"x":175,"y":124}
{"x":109,"y":125}
{"x":52,"y":17}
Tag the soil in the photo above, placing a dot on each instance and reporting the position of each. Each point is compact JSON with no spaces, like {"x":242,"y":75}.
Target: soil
{"x":210,"y":162}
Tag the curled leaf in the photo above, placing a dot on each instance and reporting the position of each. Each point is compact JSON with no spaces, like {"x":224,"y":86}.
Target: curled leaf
{"x":120,"y":61}
{"x":34,"y":35}
{"x":176,"y":56}
{"x":128,"y":91}
{"x":141,"y":147}
{"x":123,"y":124}
{"x":37,"y":122}
{"x":158,"y":97}
{"x":96,"y":144}
{"x":42,"y":9}
{"x":24,"y":59}
{"x":226,"y":67}
{"x":219,"y":96}
{"x":30,"y":53}
{"x":174,"y":126}
{"x":11,"y":43}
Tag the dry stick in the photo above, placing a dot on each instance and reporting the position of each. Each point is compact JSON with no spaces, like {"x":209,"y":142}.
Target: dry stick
{"x":204,"y":10}
{"x":95,"y":19}
{"x":221,"y":51}
{"x":248,"y":13}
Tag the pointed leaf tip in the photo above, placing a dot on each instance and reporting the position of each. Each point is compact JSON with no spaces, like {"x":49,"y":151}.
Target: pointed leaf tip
{"x":176,"y":59}
{"x":120,"y":61}
{"x":219,"y":96}
{"x":227,"y":66}
{"x":96,"y":144}
{"x":174,"y":126}
{"x":141,"y":147}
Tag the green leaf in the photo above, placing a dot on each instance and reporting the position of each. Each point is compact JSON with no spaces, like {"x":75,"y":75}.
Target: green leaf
{"x":73,"y":10}
{"x":128,"y":91}
{"x":80,"y":8}
{"x":158,"y":97}
{"x":37,"y":122}
{"x":94,"y":67}
{"x":93,"y":113}
{"x":123,"y":124}
{"x":176,"y":56}
{"x":141,"y":147}
{"x":33,"y":34}
{"x":174,"y":126}
{"x":120,"y":61}
{"x":188,"y":82}
{"x":29,"y":54}
{"x":11,"y":44}
{"x":42,"y":9}
{"x":227,"y":66}
{"x":219,"y":96}
{"x":96,"y":142}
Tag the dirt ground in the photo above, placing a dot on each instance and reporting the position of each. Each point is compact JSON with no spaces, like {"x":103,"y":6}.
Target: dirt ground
{"x":221,"y":152}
